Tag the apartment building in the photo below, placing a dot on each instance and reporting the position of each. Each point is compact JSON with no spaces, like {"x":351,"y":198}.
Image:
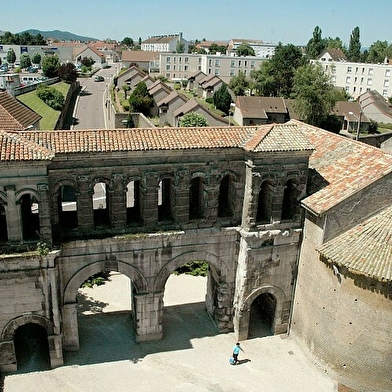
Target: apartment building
{"x":262,"y":49}
{"x":164,"y":43}
{"x":356,"y":78}
{"x":177,"y":66}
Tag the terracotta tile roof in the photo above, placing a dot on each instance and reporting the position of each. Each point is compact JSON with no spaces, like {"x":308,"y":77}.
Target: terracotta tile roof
{"x":340,"y":167}
{"x":336,"y":54}
{"x":14,"y":115}
{"x":366,"y":249}
{"x":44,"y":144}
{"x":15,"y":147}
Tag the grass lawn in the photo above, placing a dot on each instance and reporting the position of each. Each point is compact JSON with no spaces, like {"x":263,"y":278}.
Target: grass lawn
{"x":49,"y":116}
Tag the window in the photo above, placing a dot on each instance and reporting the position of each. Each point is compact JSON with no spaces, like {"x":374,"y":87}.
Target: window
{"x":30,"y":217}
{"x":356,"y":70}
{"x":226,"y":197}
{"x":264,"y":206}
{"x":289,"y":201}
{"x":168,"y":59}
{"x":133,"y":202}
{"x":67,"y":207}
{"x":174,"y":59}
{"x":165,"y":200}
{"x":186,"y":67}
{"x":217,"y":63}
{"x":252,"y":64}
{"x":349,"y":69}
{"x":196,"y":199}
{"x":216,"y":71}
{"x":186,"y":59}
{"x":348,"y":79}
{"x":232,"y":72}
{"x":210,"y":62}
{"x":167,"y":67}
{"x":384,"y":93}
{"x":369,"y":81}
{"x":370,"y":71}
{"x":101,"y":204}
{"x":387,"y":73}
{"x":386,"y":83}
{"x":232,"y":64}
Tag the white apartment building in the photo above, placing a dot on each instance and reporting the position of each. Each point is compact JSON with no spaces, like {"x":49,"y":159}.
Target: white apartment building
{"x":357,"y":78}
{"x":177,"y":66}
{"x":262,"y":49}
{"x":164,"y":43}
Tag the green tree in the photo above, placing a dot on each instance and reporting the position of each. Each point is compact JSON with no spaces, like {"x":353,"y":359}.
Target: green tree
{"x":50,"y":65}
{"x":239,"y":84}
{"x":36,"y":58}
{"x":263,"y":81}
{"x":127,"y":42}
{"x":25,"y":61}
{"x":286,"y":60}
{"x":316,"y":44}
{"x":11,"y":56}
{"x":214,"y":48}
{"x":377,"y":52}
{"x":354,"y":47}
{"x":180,"y":47}
{"x":222,"y":99}
{"x":140,"y":100}
{"x":245,"y":50}
{"x":51,"y":96}
{"x":67,"y":72}
{"x":88,"y":62}
{"x":313,"y":94}
{"x":193,"y":119}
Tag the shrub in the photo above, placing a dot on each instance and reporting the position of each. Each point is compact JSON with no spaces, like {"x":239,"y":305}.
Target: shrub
{"x":195,"y":268}
{"x":51,"y":96}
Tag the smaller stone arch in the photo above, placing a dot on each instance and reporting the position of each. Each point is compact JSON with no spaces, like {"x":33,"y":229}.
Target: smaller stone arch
{"x":26,"y":191}
{"x":290,"y":203}
{"x":101,"y":201}
{"x":29,"y":203}
{"x":10,"y":328}
{"x":243,"y":313}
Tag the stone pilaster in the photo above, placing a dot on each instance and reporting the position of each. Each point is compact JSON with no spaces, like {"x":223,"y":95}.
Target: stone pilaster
{"x":44,"y":214}
{"x":12,"y":210}
{"x":118,"y":211}
{"x":150,"y":200}
{"x":85,"y":205}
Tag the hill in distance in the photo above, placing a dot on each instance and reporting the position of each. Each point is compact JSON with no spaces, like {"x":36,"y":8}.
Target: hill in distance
{"x":60,"y":35}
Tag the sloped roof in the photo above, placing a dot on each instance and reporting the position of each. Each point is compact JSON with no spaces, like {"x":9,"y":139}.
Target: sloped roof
{"x":166,"y":100}
{"x":258,"y":107}
{"x":160,"y":39}
{"x":340,"y":167}
{"x":14,"y":115}
{"x":139,"y":55}
{"x":15,"y":147}
{"x":211,"y":82}
{"x":366,"y":249}
{"x":350,"y":110}
{"x":189,"y":106}
{"x":336,"y":55}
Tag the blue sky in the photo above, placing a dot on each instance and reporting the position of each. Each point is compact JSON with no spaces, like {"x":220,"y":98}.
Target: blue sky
{"x":286,"y":21}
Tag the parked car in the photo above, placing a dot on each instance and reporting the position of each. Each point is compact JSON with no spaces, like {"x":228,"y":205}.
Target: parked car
{"x":99,"y":78}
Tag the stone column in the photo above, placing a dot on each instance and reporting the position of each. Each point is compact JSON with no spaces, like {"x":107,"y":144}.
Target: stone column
{"x":150,"y":200}
{"x":70,"y":327}
{"x":55,"y":351}
{"x":148,"y":316}
{"x":44,"y":214}
{"x":181,"y":204}
{"x":85,"y":205}
{"x":118,"y":210}
{"x":12,"y":210}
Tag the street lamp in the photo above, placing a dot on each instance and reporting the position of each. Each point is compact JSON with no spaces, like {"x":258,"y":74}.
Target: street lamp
{"x":358,"y":123}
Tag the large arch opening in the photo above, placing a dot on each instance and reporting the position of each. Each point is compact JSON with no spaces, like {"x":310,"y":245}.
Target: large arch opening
{"x":262,"y":315}
{"x":31,"y":348}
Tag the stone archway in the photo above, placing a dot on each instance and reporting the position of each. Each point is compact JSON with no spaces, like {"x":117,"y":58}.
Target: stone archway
{"x":7,"y":344}
{"x":218,"y":300}
{"x":242,"y":317}
{"x":70,"y":320}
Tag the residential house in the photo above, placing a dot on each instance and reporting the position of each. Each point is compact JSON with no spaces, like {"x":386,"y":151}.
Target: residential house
{"x":351,"y":115}
{"x":208,"y":86}
{"x":165,"y":43}
{"x":89,"y":52}
{"x":194,"y":79}
{"x":158,"y":90}
{"x":193,"y":106}
{"x":15,"y":116}
{"x":132,"y":76}
{"x":168,"y":105}
{"x":260,"y":110}
{"x":376,"y":107}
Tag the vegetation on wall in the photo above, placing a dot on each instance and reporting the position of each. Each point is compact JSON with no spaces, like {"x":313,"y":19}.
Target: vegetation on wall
{"x":51,"y":96}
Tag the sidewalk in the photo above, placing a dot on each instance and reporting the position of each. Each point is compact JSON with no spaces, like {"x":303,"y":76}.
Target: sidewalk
{"x":190,"y":357}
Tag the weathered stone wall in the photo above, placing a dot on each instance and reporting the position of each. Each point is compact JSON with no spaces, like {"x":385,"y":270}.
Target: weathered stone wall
{"x":343,"y":323}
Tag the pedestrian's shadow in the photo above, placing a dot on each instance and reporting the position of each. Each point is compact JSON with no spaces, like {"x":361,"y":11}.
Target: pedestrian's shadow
{"x":242,"y":361}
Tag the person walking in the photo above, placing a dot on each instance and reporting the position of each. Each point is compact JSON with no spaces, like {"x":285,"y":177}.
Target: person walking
{"x":236,"y":351}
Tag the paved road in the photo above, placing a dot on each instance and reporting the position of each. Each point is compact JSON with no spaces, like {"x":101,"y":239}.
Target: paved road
{"x":190,"y":357}
{"x":90,"y":109}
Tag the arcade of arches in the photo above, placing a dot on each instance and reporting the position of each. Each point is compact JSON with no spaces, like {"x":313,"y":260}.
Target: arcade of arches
{"x":144,"y":217}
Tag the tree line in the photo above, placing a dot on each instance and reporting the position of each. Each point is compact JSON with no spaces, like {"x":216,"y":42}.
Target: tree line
{"x":24,"y":38}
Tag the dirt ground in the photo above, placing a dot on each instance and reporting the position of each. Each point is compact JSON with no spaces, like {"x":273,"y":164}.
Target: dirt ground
{"x":190,"y":357}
